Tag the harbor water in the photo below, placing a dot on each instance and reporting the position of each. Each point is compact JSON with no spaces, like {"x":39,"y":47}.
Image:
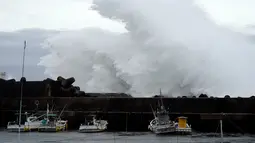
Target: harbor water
{"x":111,"y":137}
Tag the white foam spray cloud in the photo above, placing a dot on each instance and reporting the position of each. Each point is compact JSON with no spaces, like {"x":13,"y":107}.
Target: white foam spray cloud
{"x":170,"y":44}
{"x":6,"y":76}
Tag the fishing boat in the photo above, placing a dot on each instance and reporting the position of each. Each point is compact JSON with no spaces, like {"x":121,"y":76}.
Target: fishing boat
{"x":182,"y":127}
{"x":161,"y":124}
{"x":93,"y":126}
{"x":31,"y":124}
{"x":52,"y":123}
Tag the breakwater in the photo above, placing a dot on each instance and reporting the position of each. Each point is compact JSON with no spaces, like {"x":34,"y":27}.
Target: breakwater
{"x":125,"y":112}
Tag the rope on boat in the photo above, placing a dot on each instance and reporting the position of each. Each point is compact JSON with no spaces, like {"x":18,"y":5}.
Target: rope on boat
{"x":235,"y":125}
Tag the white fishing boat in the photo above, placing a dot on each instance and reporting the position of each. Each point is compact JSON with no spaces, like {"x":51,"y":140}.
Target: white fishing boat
{"x":182,"y":127}
{"x":93,"y":126}
{"x":31,"y":124}
{"x":161,"y":124}
{"x":52,"y":123}
{"x":13,"y":126}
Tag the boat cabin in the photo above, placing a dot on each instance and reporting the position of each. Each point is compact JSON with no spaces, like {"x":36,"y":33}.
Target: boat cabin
{"x":182,"y":122}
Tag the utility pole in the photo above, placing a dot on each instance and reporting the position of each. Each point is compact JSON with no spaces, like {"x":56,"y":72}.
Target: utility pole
{"x":21,"y":82}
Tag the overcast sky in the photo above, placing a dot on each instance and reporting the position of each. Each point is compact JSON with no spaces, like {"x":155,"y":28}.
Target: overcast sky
{"x":74,"y":14}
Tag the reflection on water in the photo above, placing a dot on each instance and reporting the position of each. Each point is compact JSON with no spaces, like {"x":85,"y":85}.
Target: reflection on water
{"x":109,"y":137}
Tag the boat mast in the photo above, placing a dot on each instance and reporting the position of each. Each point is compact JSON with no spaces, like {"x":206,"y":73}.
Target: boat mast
{"x":21,"y":82}
{"x":153,"y":112}
{"x":162,"y":104}
{"x":47,"y":112}
{"x":61,"y":112}
{"x":49,"y":90}
{"x":49,"y":94}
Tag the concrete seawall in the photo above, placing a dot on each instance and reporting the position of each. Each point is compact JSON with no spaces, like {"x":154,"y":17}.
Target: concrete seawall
{"x":121,"y":110}
{"x":134,"y":114}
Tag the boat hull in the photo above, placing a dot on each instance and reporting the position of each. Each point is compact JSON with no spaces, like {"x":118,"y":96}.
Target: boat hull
{"x":183,"y":131}
{"x":15,"y":128}
{"x":171,"y":130}
{"x":91,"y":129}
{"x":47,"y":129}
{"x":51,"y":129}
{"x":55,"y":126}
{"x":162,"y":129}
{"x":23,"y":128}
{"x":32,"y":126}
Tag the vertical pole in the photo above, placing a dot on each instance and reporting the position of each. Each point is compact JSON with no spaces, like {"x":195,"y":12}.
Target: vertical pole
{"x":114,"y":137}
{"x":126,"y":125}
{"x":21,"y":90}
{"x":126,"y":121}
{"x":221,"y":131}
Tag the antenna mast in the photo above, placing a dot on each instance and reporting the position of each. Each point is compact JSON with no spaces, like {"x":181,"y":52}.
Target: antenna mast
{"x":161,"y":97}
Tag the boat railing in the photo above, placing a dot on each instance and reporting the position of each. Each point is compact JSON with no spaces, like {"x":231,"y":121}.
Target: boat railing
{"x":32,"y":119}
{"x":103,"y":122}
{"x":12,"y":123}
{"x":51,"y":124}
{"x":61,"y":122}
{"x":188,"y":126}
{"x":100,"y":122}
{"x":87,"y":123}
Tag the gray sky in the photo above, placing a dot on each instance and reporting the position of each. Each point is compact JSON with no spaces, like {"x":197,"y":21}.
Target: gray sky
{"x":74,"y":14}
{"x":11,"y":47}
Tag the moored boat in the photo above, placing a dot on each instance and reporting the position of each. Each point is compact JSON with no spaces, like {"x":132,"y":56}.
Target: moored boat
{"x":49,"y":125}
{"x":93,"y":126}
{"x":161,"y":124}
{"x":52,"y":123}
{"x":31,"y":124}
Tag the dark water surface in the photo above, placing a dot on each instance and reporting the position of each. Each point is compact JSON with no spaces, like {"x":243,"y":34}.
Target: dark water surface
{"x":109,"y":137}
